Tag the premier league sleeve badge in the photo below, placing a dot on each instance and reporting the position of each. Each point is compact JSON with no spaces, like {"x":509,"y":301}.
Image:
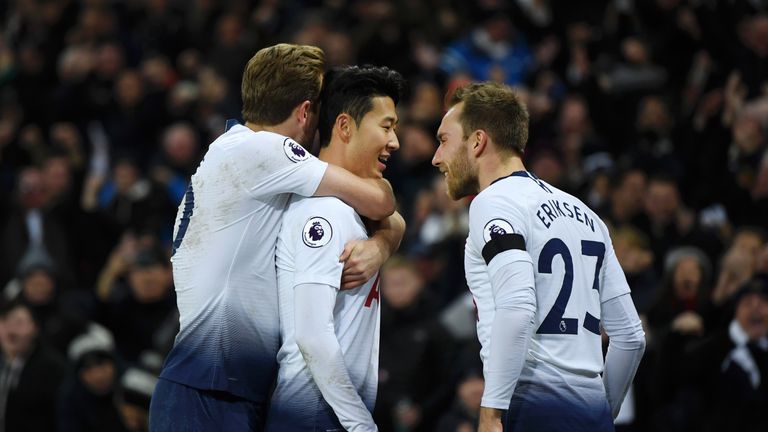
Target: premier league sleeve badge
{"x":317,"y":232}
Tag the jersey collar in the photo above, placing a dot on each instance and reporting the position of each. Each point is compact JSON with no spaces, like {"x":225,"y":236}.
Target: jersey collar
{"x":514,"y":174}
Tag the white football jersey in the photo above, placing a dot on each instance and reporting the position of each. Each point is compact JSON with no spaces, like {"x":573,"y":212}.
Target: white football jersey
{"x":575,"y":271}
{"x":224,"y":261}
{"x":311,"y":240}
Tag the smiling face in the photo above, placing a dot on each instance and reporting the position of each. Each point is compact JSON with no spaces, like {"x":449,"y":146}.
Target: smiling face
{"x":452,"y":156}
{"x":374,"y":140}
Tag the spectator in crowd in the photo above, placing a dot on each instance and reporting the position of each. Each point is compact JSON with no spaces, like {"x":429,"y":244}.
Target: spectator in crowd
{"x":628,"y":188}
{"x":140,"y":308}
{"x":31,"y":229}
{"x":464,"y":413}
{"x":576,"y":140}
{"x":132,"y":201}
{"x":684,"y":299}
{"x":738,"y":264}
{"x":59,"y":314}
{"x":133,"y":397}
{"x":683,"y":314}
{"x":31,"y":372}
{"x":665,"y":219}
{"x":466,"y":408}
{"x":179,"y":157}
{"x":136,"y":116}
{"x":87,"y":396}
{"x":636,"y":259}
{"x":653,"y":144}
{"x":410,"y":397}
{"x":729,"y":370}
{"x":495,"y":51}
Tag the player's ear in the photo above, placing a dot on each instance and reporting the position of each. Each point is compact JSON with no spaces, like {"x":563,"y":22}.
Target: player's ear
{"x":478,"y":142}
{"x":303,"y":111}
{"x":344,"y":126}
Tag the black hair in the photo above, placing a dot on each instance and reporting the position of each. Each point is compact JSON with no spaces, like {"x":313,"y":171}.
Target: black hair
{"x":350,"y":89}
{"x":8,"y":306}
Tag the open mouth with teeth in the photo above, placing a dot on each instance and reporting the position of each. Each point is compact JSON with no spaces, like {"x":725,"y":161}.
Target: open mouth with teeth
{"x":383,"y":161}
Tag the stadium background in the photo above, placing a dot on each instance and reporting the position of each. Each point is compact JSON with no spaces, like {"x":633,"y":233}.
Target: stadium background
{"x":653,"y":112}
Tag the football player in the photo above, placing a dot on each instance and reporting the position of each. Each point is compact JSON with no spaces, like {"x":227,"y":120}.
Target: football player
{"x":543,"y":273}
{"x":329,"y":358}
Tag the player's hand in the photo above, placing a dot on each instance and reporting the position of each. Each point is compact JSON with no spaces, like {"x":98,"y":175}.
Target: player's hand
{"x":362,"y":259}
{"x":688,"y":323}
{"x":490,"y":420}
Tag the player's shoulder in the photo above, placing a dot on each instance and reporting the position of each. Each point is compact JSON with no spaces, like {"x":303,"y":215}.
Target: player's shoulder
{"x":327,"y":207}
{"x":244,"y":142}
{"x":320,"y":219}
{"x":320,"y":203}
{"x":513,"y":192}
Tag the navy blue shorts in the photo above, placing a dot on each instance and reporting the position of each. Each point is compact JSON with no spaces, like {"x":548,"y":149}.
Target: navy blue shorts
{"x":176,"y":407}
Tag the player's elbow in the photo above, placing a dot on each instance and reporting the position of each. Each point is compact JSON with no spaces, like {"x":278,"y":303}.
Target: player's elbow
{"x":310,"y":343}
{"x":305,"y":340}
{"x":638,"y":340}
{"x":632,"y":341}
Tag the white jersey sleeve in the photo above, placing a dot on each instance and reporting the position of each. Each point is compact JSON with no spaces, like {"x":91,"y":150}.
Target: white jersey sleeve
{"x":273,"y":164}
{"x":511,"y":332}
{"x":318,"y":246}
{"x":625,"y":348}
{"x":498,"y":226}
{"x":497,"y":230}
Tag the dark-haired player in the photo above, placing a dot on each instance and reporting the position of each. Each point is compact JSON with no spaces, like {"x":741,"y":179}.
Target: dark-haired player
{"x":329,"y":358}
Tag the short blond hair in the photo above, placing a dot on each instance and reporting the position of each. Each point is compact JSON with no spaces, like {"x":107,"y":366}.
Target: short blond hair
{"x":279,"y":78}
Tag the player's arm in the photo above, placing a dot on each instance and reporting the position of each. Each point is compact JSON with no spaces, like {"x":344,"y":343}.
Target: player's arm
{"x":372,"y":198}
{"x":510,"y":271}
{"x":316,"y":338}
{"x":363,"y":258}
{"x":316,"y":285}
{"x":280,"y":165}
{"x":512,"y":281}
{"x":625,"y":332}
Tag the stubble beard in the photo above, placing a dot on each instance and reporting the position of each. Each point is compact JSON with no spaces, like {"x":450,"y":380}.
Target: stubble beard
{"x":463,"y":180}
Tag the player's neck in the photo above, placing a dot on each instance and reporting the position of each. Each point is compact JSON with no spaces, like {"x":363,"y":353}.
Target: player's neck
{"x":333,"y":154}
{"x":495,"y":168}
{"x":281,"y":129}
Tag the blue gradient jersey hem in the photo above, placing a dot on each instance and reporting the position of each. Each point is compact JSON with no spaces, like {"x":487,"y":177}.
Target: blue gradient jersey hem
{"x":536,"y":408}
{"x":193,"y":368}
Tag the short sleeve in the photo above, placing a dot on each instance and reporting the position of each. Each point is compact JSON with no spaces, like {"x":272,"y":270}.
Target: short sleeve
{"x":272,"y":164}
{"x":319,"y":239}
{"x":498,"y":229}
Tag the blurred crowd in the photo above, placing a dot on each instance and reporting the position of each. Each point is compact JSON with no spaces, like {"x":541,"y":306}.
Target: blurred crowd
{"x":653,"y":112}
